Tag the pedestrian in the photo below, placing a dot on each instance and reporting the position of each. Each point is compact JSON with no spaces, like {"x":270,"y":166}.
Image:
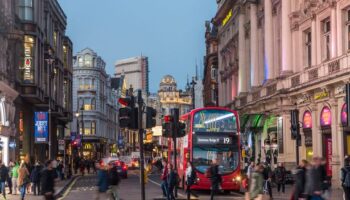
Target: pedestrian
{"x":171,"y":182}
{"x":280,"y":175}
{"x":256,"y":184}
{"x":215,"y":178}
{"x":191,"y":178}
{"x":88,"y":166}
{"x":345,"y":178}
{"x":82,"y":167}
{"x":163,"y":177}
{"x":114,"y":180}
{"x":267,"y":173}
{"x":59,"y":169}
{"x":102,"y":182}
{"x":14,"y":173}
{"x":326,"y":180}
{"x":300,"y":179}
{"x":23,"y":179}
{"x":47,"y":180}
{"x":35,"y":178}
{"x":250,"y":169}
{"x":94,"y":166}
{"x":9,"y":179}
{"x":4,"y":175}
{"x":313,"y":187}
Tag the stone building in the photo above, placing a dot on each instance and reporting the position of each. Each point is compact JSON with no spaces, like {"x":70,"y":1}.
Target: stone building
{"x":279,"y":55}
{"x":35,"y":64}
{"x":95,"y":101}
{"x":210,"y":79}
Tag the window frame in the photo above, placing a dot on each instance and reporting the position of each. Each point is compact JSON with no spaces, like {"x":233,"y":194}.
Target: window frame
{"x":326,"y":39}
{"x":307,"y":44}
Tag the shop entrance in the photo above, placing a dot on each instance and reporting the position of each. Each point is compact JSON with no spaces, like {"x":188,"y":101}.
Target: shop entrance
{"x":327,"y":151}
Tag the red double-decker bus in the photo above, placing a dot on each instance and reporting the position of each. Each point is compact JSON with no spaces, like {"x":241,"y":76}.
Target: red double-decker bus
{"x":212,"y":133}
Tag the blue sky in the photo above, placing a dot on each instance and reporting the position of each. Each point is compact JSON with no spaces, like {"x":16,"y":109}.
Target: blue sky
{"x":169,"y":32}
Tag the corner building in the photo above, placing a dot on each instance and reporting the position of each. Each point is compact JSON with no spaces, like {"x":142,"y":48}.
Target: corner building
{"x":280,"y":55}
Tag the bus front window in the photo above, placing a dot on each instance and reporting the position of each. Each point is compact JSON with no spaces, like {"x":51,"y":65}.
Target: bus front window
{"x":227,"y":158}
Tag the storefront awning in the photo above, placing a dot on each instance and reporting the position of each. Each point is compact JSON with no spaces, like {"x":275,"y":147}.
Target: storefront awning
{"x":255,"y":121}
{"x":243,"y":119}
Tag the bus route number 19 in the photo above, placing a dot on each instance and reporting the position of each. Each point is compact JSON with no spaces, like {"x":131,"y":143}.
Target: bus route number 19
{"x":227,"y":140}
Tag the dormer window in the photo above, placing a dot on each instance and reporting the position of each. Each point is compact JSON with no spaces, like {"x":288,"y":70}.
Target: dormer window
{"x":80,"y":61}
{"x":88,"y":60}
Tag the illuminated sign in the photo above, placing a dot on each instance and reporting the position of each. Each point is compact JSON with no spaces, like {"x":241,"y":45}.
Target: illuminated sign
{"x":213,"y":140}
{"x":321,"y":95}
{"x":227,"y":18}
{"x":307,"y":120}
{"x":343,"y":115}
{"x":41,"y":127}
{"x":326,"y":118}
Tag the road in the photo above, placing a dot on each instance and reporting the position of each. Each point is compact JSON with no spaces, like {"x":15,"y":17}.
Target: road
{"x":84,"y":188}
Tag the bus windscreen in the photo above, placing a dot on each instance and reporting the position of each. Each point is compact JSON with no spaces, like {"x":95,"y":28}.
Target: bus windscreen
{"x":214,"y":121}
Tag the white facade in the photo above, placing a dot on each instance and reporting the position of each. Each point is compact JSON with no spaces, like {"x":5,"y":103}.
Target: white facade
{"x":280,"y":55}
{"x":135,"y":72}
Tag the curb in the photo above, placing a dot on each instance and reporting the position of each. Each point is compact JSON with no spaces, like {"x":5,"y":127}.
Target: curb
{"x":60,"y":192}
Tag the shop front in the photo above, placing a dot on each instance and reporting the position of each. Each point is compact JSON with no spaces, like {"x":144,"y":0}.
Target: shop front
{"x":326,"y":130}
{"x":307,"y":132}
{"x":270,"y":142}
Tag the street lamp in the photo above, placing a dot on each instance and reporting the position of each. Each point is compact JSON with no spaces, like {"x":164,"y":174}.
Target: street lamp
{"x":50,"y":75}
{"x":193,"y":83}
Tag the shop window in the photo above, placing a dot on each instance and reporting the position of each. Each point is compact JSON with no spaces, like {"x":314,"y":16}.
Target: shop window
{"x":29,"y":60}
{"x":25,"y":9}
{"x":326,"y":39}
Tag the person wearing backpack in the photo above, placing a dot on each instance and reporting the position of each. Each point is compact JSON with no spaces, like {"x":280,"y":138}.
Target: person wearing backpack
{"x":345,"y":178}
{"x":191,"y":178}
{"x":114,"y":180}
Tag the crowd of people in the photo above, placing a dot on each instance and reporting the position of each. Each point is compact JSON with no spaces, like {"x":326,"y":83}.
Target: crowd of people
{"x":311,"y":180}
{"x":84,"y":165}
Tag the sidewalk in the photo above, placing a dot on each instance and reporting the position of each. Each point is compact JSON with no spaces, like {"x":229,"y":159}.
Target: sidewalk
{"x":60,"y":187}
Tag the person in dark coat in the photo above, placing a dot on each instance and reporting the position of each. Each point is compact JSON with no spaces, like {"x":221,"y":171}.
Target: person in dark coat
{"x":313,"y":185}
{"x":102,"y":182}
{"x":171,"y":182}
{"x":280,"y":175}
{"x":47,"y":181}
{"x":163,"y":177}
{"x":345,"y":178}
{"x":35,"y":179}
{"x":4,"y":175}
{"x":300,"y":179}
{"x":267,"y":173}
{"x":215,"y":178}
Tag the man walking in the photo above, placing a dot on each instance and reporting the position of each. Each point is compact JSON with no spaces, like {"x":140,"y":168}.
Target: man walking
{"x":215,"y":178}
{"x":280,"y":174}
{"x":14,"y":176}
{"x":345,"y":178}
{"x":48,"y":181}
{"x":164,"y":176}
{"x":4,"y":175}
{"x":171,"y":182}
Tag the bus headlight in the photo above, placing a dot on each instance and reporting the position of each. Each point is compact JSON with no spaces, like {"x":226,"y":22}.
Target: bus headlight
{"x":238,"y":178}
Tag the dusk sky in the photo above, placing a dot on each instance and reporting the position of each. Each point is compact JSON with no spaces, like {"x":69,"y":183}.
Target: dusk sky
{"x":169,"y":32}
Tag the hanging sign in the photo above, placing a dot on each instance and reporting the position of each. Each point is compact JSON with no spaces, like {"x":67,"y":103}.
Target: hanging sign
{"x":326,"y":117}
{"x":307,"y":120}
{"x":41,"y":127}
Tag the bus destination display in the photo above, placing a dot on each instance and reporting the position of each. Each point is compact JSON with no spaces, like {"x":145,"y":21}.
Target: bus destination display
{"x":213,"y":140}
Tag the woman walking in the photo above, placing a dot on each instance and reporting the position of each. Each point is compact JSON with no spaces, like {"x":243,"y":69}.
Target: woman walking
{"x":191,"y":177}
{"x":23,"y":179}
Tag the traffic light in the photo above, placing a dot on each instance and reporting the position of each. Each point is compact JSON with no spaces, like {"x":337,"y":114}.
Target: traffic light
{"x":167,"y":126}
{"x":151,"y":114}
{"x":181,"y":129}
{"x":295,"y":129}
{"x":128,"y":114}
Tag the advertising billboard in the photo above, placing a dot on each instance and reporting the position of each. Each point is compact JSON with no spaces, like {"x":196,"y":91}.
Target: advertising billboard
{"x":41,"y":130}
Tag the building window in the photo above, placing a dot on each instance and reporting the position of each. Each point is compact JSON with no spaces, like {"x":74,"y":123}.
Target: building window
{"x":55,"y":39}
{"x":326,"y":39}
{"x":87,"y":128}
{"x":65,"y":56}
{"x":28,"y":63}
{"x":307,"y":48}
{"x":93,"y":128}
{"x":214,"y":73}
{"x":93,"y":104}
{"x":347,"y":30}
{"x":93,"y":83}
{"x":65,"y":94}
{"x":88,"y":60}
{"x":25,"y":9}
{"x":80,"y":61}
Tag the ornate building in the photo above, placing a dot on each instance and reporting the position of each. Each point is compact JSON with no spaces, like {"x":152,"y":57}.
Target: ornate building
{"x":279,"y":55}
{"x":95,"y":101}
{"x":210,"y":79}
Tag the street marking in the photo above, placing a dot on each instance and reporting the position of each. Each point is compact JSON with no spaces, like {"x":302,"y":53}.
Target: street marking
{"x":68,"y":189}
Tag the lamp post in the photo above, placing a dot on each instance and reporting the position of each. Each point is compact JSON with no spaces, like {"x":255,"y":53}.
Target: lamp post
{"x":50,"y":74}
{"x":193,"y":83}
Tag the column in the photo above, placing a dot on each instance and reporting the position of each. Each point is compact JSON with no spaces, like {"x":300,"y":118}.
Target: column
{"x":339,"y":33}
{"x":268,"y":40}
{"x":334,"y":32}
{"x":254,"y":46}
{"x":242,"y":70}
{"x":286,"y":39}
{"x":336,"y":137}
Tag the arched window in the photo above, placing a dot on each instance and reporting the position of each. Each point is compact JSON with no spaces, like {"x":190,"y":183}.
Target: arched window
{"x":88,"y":60}
{"x":80,"y":61}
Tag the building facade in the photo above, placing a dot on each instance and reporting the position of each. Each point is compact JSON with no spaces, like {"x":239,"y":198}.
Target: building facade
{"x":280,"y":55}
{"x":35,"y":62}
{"x":95,"y":101}
{"x":210,"y":79}
{"x":135,"y":71}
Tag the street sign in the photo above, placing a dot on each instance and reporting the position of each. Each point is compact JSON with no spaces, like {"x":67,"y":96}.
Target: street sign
{"x":61,"y":145}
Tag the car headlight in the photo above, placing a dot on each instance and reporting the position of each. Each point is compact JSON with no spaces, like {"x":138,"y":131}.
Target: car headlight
{"x":238,"y":178}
